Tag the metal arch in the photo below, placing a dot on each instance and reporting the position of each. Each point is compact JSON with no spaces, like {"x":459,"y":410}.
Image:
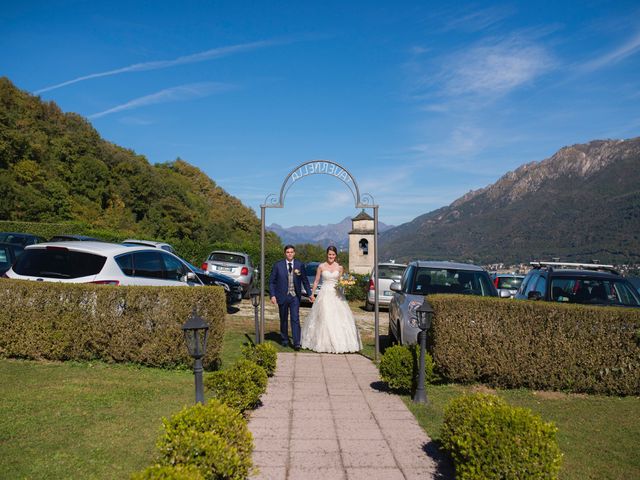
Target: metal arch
{"x":364,"y":201}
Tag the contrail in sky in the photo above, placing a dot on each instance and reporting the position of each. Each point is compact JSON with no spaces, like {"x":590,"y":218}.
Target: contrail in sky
{"x":175,"y":94}
{"x":194,"y":58}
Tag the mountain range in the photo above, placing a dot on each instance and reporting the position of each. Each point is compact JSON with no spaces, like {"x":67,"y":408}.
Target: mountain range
{"x":583,"y":203}
{"x":333,"y":234}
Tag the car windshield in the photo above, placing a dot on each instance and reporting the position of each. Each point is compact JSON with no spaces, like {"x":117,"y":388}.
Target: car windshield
{"x":440,"y":280}
{"x":13,"y":238}
{"x":311,"y":268}
{"x":511,"y":283}
{"x":58,"y":263}
{"x":393,"y":272}
{"x":594,"y":291}
{"x":227,"y":258}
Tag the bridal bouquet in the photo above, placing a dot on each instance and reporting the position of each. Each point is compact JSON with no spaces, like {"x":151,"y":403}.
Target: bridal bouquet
{"x":344,"y":283}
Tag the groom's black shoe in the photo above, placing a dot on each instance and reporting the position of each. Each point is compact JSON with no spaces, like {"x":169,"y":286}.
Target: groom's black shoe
{"x":297,"y":348}
{"x":285,"y":344}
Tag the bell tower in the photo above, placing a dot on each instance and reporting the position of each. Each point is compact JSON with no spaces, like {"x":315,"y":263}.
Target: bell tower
{"x":361,"y":244}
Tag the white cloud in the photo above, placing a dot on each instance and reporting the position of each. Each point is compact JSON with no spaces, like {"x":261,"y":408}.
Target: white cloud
{"x":494,"y":69}
{"x":175,"y":94}
{"x":630,"y":47}
{"x":160,"y":64}
{"x":474,"y":21}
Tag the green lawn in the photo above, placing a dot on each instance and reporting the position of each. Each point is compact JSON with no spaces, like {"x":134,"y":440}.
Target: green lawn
{"x":72,"y":420}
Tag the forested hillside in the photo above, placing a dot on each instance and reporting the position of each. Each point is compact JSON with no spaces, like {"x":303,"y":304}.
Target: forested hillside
{"x":55,"y":167}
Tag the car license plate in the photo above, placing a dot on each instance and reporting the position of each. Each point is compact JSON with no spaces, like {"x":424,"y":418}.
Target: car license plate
{"x":387,"y":293}
{"x":225,"y":269}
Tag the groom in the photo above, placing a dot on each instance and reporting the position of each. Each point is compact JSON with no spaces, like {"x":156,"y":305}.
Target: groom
{"x":285,"y":282}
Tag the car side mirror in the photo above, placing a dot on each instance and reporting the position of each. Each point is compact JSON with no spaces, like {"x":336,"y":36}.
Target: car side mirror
{"x":504,"y":293}
{"x":395,"y":287}
{"x":534,"y":295}
{"x":189,"y":277}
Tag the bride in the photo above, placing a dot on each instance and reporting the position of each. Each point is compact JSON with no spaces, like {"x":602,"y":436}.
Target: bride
{"x":330,"y":326}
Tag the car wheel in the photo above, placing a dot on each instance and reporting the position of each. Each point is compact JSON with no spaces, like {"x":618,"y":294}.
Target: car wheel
{"x":367,"y":306}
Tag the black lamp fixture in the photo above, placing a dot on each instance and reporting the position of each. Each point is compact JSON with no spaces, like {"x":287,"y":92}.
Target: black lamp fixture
{"x":425,"y":316}
{"x":196,"y":331}
{"x":255,"y":301}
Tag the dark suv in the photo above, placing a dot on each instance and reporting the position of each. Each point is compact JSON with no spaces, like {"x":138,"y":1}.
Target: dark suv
{"x":585,"y":283}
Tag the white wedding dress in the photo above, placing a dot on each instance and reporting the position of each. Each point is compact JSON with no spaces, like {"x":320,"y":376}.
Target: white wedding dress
{"x":330,"y":326}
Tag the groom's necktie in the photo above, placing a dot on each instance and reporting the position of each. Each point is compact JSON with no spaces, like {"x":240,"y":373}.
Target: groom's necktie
{"x":290,"y":267}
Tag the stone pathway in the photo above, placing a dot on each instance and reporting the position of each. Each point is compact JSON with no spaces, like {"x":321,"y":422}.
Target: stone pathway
{"x":323,"y":418}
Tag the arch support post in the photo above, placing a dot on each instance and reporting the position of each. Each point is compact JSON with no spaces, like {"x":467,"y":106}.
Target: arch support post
{"x":377,"y":291}
{"x":260,"y":334}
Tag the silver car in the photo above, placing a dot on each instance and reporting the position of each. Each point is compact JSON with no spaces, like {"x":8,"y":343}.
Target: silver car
{"x":507,"y":284}
{"x":236,"y":265}
{"x":424,"y":277}
{"x":387,"y":273}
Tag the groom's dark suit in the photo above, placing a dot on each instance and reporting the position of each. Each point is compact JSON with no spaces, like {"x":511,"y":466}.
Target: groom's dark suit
{"x":287,"y":303}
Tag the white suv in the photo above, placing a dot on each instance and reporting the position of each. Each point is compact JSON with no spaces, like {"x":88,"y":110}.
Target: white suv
{"x":102,"y":263}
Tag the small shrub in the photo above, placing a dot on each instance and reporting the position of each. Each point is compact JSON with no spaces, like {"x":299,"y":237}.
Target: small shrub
{"x":212,"y":437}
{"x":399,"y":367}
{"x":240,"y":386}
{"x":169,"y":472}
{"x":488,"y":439}
{"x":263,"y":354}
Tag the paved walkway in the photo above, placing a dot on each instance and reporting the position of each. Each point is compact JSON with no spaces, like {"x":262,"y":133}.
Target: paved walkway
{"x":323,"y":418}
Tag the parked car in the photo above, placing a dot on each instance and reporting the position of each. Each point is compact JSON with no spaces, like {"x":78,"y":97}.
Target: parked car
{"x":73,"y":238}
{"x":150,"y":243}
{"x":635,"y":281}
{"x":422,"y":278}
{"x":232,"y":288}
{"x":507,"y":284}
{"x":311,"y":268}
{"x":102,"y":263}
{"x":236,"y":265}
{"x":8,"y":254}
{"x":23,"y":239}
{"x":585,"y":283}
{"x":387,"y":273}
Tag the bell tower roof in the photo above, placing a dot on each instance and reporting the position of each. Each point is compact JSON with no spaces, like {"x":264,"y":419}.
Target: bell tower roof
{"x":362,"y":216}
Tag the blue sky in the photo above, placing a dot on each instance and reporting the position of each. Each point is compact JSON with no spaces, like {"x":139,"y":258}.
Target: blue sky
{"x":420,"y":101}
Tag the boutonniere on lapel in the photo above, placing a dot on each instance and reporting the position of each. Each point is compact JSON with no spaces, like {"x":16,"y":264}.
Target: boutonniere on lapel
{"x":297,"y":272}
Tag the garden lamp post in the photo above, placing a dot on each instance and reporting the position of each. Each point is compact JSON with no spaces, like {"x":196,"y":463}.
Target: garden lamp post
{"x":425,"y":315}
{"x":195,"y":334}
{"x":255,"y":301}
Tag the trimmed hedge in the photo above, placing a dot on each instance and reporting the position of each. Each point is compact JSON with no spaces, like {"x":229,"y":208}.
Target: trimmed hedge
{"x":213,"y":437}
{"x":239,"y":386}
{"x":64,"y":321}
{"x":263,"y":354}
{"x":538,"y":345}
{"x":489,"y":439}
